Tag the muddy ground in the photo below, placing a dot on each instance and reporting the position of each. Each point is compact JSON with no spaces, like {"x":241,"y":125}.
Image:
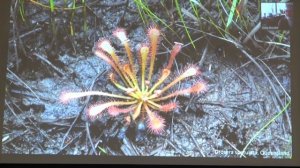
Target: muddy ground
{"x":247,"y":73}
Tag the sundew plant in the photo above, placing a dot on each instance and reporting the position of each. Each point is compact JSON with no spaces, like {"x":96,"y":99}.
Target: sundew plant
{"x":142,"y":96}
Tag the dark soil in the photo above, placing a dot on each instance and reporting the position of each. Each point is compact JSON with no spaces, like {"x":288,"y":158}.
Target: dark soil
{"x":248,"y":82}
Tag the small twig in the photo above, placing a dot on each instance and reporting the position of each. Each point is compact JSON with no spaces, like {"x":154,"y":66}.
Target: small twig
{"x":72,"y":125}
{"x":275,"y":78}
{"x":13,"y":112}
{"x":15,"y":38}
{"x":89,"y":137}
{"x":264,"y":73}
{"x":252,"y":32}
{"x":51,"y":123}
{"x":16,"y":35}
{"x":43,"y":58}
{"x":252,"y":60}
{"x":112,"y":4}
{"x":251,"y":83}
{"x":16,"y":149}
{"x":42,"y":131}
{"x":197,"y":39}
{"x":281,"y":138}
{"x":189,"y":103}
{"x":222,"y":104}
{"x":95,"y":14}
{"x":26,"y":34}
{"x":223,"y":120}
{"x":264,"y":127}
{"x":27,"y":127}
{"x":70,"y":142}
{"x":130,"y":146}
{"x":277,"y":57}
{"x":81,"y":111}
{"x":28,"y":87}
{"x":28,"y":95}
{"x":157,"y":150}
{"x":270,"y":53}
{"x":234,"y":71}
{"x":193,"y":138}
{"x":203,"y":56}
{"x":271,"y":42}
{"x":238,"y":151}
{"x":185,"y":45}
{"x":176,"y":149}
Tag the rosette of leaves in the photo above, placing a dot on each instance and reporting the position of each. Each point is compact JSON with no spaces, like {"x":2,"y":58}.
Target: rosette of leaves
{"x":141,"y":96}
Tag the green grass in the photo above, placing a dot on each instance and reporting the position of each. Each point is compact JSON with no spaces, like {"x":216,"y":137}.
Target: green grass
{"x":52,"y":5}
{"x":21,"y":10}
{"x":194,"y":8}
{"x":210,"y":19}
{"x":145,"y":12}
{"x":143,"y":6}
{"x":265,"y":127}
{"x":232,"y":13}
{"x":239,"y":16}
{"x":141,"y":13}
{"x":53,"y":25}
{"x":72,"y":18}
{"x":102,"y":150}
{"x":181,"y":18}
{"x":85,"y":27}
{"x":196,"y":12}
{"x":282,"y":35}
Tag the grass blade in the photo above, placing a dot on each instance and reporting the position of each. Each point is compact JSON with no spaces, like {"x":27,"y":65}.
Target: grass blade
{"x":264,"y":127}
{"x":194,"y":8}
{"x":140,"y":13}
{"x":231,"y":14}
{"x":22,"y":11}
{"x":85,"y":27}
{"x":181,"y":18}
{"x":152,"y":16}
{"x":51,"y":5}
{"x":53,"y":8}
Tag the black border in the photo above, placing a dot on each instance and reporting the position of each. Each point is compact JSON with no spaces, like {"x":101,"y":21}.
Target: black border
{"x":59,"y":159}
{"x":4,"y":25}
